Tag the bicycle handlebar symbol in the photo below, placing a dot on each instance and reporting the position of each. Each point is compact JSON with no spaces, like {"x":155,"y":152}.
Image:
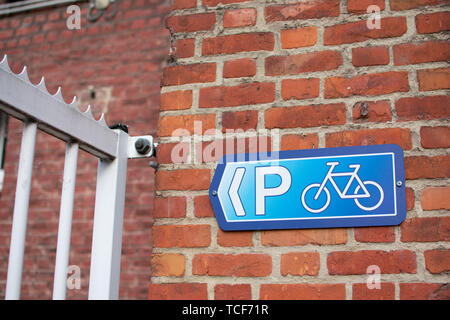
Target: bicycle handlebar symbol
{"x":345,"y":193}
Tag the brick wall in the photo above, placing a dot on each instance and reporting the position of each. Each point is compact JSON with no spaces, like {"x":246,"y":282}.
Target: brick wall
{"x":121,"y":61}
{"x":316,"y":72}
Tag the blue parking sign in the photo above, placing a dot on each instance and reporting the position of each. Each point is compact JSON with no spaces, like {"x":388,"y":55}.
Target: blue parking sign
{"x":319,"y":188}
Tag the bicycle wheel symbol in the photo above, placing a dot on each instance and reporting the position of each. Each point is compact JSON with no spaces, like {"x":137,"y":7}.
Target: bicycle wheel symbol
{"x":316,"y":186}
{"x":366,"y":183}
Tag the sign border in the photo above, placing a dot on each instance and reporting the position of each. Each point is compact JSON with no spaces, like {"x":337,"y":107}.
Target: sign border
{"x":384,"y":220}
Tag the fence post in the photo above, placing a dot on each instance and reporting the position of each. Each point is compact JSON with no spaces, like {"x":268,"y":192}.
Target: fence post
{"x":108,"y":223}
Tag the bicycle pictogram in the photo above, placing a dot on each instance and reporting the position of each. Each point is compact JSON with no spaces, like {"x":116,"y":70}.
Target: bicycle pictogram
{"x":344,"y":194}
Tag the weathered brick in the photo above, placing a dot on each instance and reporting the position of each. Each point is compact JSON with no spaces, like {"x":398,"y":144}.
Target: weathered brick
{"x":239,"y":265}
{"x":367,"y":85}
{"x":240,"y":95}
{"x":302,"y":10}
{"x":302,"y":291}
{"x":181,"y":236}
{"x":356,"y":262}
{"x":433,"y":79}
{"x":375,"y":234}
{"x":400,"y":136}
{"x":277,"y":238}
{"x":244,"y":120}
{"x":362,"y":292}
{"x":178,"y":152}
{"x":413,"y":53}
{"x":235,"y":239}
{"x":238,"y":43}
{"x":232,"y":292}
{"x":358,"y":31}
{"x":305,"y":116}
{"x":239,"y":68}
{"x":176,"y":100}
{"x":296,"y":142}
{"x":239,"y":18}
{"x":300,"y":88}
{"x":435,"y":198}
{"x":411,"y":4}
{"x":177,"y":291}
{"x":183,"y":179}
{"x":193,"y":73}
{"x":300,"y":263}
{"x":185,"y":124}
{"x":183,"y":4}
{"x":169,"y":207}
{"x":435,"y":137}
{"x":423,"y":108}
{"x":428,"y":229}
{"x":433,"y":22}
{"x":424,"y":291}
{"x":304,"y":62}
{"x":191,"y":22}
{"x":437,"y":260}
{"x":370,"y":56}
{"x":298,"y":38}
{"x":423,"y":167}
{"x":202,"y":207}
{"x":410,"y":199}
{"x":168,"y":265}
{"x":185,"y":48}
{"x":369,"y":111}
{"x":360,"y":6}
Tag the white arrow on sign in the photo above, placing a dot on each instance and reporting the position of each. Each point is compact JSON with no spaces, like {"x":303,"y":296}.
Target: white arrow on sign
{"x":233,"y":192}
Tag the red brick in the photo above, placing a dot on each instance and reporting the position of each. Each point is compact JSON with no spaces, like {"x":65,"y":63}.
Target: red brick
{"x":411,"y":4}
{"x":358,"y":31}
{"x":435,"y":137}
{"x":423,"y":167}
{"x":429,"y":229}
{"x":305,"y":116}
{"x":235,"y":238}
{"x":174,"y":125}
{"x":424,"y":291}
{"x":178,"y":152}
{"x":297,"y":142}
{"x":277,"y":238}
{"x":433,"y":79}
{"x":183,"y":179}
{"x":364,"y":137}
{"x":298,"y":38}
{"x":370,"y":56}
{"x":423,"y":108}
{"x":410,"y":199}
{"x":170,"y":207}
{"x":302,"y":291}
{"x":240,"y":95}
{"x":191,"y":22}
{"x":375,"y":234}
{"x":348,"y":262}
{"x":240,"y":265}
{"x":300,"y":88}
{"x":176,"y":100}
{"x":385,"y":292}
{"x":366,"y":85}
{"x":239,"y":68}
{"x":239,"y":18}
{"x":202,"y":207}
{"x":242,"y":42}
{"x":413,"y":53}
{"x":232,"y":292}
{"x":177,"y":291}
{"x":183,"y":4}
{"x":244,"y":120}
{"x":181,"y":236}
{"x":168,"y":265}
{"x":300,"y":263}
{"x":360,"y":6}
{"x":304,"y":62}
{"x":433,"y":22}
{"x":435,"y":198}
{"x":437,"y":261}
{"x":193,"y":73}
{"x":185,"y":48}
{"x":302,"y":10}
{"x":369,"y":111}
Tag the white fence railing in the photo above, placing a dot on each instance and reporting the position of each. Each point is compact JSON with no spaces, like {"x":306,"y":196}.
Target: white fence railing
{"x":38,"y":109}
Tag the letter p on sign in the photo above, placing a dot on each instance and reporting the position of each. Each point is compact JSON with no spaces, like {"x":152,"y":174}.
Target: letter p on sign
{"x":260,"y":184}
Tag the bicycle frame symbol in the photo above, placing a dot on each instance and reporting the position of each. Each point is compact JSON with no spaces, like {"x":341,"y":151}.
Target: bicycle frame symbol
{"x":345,"y":193}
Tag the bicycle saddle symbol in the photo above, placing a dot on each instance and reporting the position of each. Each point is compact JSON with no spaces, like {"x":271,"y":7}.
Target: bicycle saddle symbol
{"x":344,"y":194}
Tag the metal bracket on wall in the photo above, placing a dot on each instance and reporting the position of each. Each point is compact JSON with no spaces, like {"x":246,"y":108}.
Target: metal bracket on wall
{"x":97,"y":8}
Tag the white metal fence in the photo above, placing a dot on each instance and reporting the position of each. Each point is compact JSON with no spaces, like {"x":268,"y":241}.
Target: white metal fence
{"x":38,"y":109}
